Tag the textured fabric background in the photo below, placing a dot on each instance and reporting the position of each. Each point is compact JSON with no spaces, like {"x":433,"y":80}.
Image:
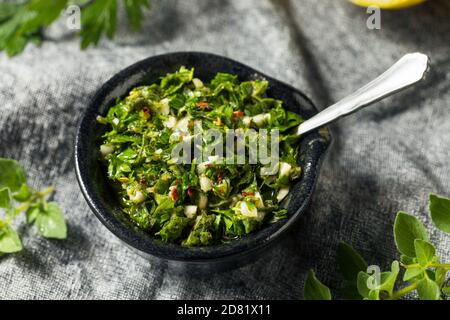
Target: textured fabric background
{"x":385,"y":158}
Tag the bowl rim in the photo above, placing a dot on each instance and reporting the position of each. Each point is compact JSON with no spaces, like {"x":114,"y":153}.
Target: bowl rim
{"x":167,"y":251}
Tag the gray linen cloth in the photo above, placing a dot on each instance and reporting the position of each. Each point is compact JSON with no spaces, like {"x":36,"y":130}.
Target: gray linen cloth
{"x":385,"y":158}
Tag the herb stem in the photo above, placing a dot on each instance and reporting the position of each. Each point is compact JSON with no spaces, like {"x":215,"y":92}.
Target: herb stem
{"x":410,"y":266}
{"x":22,"y":207}
{"x":403,"y":291}
{"x":441,"y":265}
{"x":445,"y":266}
{"x":38,"y":195}
{"x":45,"y":192}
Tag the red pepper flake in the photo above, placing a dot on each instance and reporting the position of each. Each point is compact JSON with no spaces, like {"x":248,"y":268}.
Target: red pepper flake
{"x":173,"y":193}
{"x":248,"y":194}
{"x":203,"y":105}
{"x":146,"y":112}
{"x":238,"y":114}
{"x":219,"y":178}
{"x":190,"y":192}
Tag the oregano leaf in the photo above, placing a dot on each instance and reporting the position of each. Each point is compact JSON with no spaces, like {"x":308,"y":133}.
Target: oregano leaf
{"x":23,"y":194}
{"x":441,"y":275}
{"x":12,"y":174}
{"x":50,"y":222}
{"x":5,"y":198}
{"x":428,"y":289}
{"x":314,"y":289}
{"x":446,"y":291}
{"x":350,"y":263}
{"x":32,"y":213}
{"x":361,"y":284}
{"x":9,"y":239}
{"x":388,"y":278}
{"x":424,"y":252}
{"x":408,"y":228}
{"x":440,"y":212}
{"x":407,"y":260}
{"x":411,"y":273}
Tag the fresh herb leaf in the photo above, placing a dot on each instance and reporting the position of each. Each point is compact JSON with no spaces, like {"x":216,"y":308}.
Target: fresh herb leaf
{"x":361,"y":284}
{"x":350,"y":263}
{"x":428,"y":289}
{"x":314,"y":289}
{"x":408,"y":228}
{"x":135,"y":12}
{"x":412,"y":273}
{"x":26,"y":21}
{"x":8,"y":9}
{"x":440,"y":274}
{"x":47,"y":216}
{"x":407,"y":260}
{"x":23,"y":194}
{"x":42,"y":14}
{"x":9,"y":240}
{"x":388,"y":279}
{"x":33,"y":212}
{"x":50,"y":222}
{"x":440,"y":212}
{"x":446,"y":291}
{"x":5,"y":198}
{"x":424,"y":252}
{"x":12,"y":175}
{"x":98,"y":18}
{"x":23,"y":22}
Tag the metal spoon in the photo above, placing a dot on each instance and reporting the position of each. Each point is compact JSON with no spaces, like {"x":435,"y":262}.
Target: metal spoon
{"x":410,"y":69}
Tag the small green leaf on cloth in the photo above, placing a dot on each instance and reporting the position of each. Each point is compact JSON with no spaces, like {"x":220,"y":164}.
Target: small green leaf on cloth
{"x":32,"y":213}
{"x":135,"y":12}
{"x":388,"y":279}
{"x":23,"y":194}
{"x":99,"y":17}
{"x":50,"y":222}
{"x":349,"y":261}
{"x":5,"y":198}
{"x":408,"y":228}
{"x":440,"y":212}
{"x":425,"y":252}
{"x":428,"y":289}
{"x":9,"y":239}
{"x":314,"y":289}
{"x":12,"y":174}
{"x":411,"y":273}
{"x":362,"y":284}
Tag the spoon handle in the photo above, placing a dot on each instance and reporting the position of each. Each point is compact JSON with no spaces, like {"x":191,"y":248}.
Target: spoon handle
{"x":410,"y":69}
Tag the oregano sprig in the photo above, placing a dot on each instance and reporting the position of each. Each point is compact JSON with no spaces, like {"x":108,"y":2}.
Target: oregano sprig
{"x":17,"y":197}
{"x":423,"y":272}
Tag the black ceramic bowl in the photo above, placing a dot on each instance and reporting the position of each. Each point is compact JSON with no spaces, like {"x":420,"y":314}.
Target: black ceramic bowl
{"x":102,"y":200}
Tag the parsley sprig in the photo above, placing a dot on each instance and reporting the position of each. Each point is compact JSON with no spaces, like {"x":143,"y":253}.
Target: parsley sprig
{"x":25,"y":21}
{"x":16,"y":197}
{"x":422,"y":270}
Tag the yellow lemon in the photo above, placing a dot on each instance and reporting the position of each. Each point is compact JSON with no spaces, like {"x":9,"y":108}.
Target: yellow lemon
{"x":387,"y":4}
